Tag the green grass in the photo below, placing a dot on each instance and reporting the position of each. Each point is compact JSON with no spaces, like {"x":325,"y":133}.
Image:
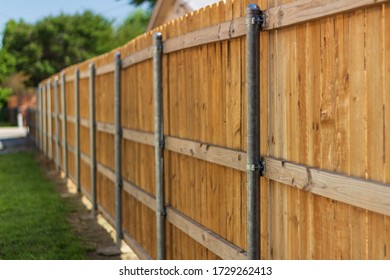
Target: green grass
{"x":5,"y":124}
{"x":33,"y":222}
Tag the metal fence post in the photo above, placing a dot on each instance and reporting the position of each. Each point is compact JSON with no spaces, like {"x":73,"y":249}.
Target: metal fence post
{"x":159,"y":143}
{"x":37,"y":120}
{"x":57,"y":132}
{"x":77,"y":127}
{"x":118,"y":149}
{"x":92,"y":136}
{"x":49,"y":116}
{"x":44,"y":120}
{"x":254,"y":21}
{"x":41,"y":119}
{"x":64,"y":128}
{"x":35,"y":117}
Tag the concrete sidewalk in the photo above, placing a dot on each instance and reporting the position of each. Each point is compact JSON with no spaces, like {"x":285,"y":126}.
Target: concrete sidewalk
{"x":12,"y":132}
{"x":13,"y":139}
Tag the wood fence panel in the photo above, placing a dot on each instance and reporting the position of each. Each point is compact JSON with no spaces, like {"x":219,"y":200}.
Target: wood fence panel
{"x":138,"y":165}
{"x":105,"y":190}
{"x":324,"y":98}
{"x":105,"y":98}
{"x":84,"y":98}
{"x":338,"y":145}
{"x":134,"y":212}
{"x":105,"y":156}
{"x":71,"y":163}
{"x":84,"y":140}
{"x":386,"y":102}
{"x":374,"y":65}
{"x":85,"y":176}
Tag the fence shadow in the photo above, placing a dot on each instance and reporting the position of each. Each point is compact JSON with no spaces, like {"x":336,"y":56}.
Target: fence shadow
{"x":95,"y":232}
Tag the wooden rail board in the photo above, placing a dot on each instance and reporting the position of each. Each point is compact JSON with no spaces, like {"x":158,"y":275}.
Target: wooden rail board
{"x":204,"y":236}
{"x":366,"y":194}
{"x":85,"y":158}
{"x":105,"y":127}
{"x":223,"y":31}
{"x":69,"y":78}
{"x":136,"y":247}
{"x":71,"y":149}
{"x":71,"y":119}
{"x":105,"y":69}
{"x":308,"y":10}
{"x":210,"y":153}
{"x":107,"y":216}
{"x":84,"y":122}
{"x":84,"y":74}
{"x":142,"y":137}
{"x":140,"y":195}
{"x":137,"y":57}
{"x":107,"y":172}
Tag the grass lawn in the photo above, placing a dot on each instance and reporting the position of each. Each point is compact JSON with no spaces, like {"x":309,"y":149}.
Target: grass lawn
{"x":5,"y":124}
{"x":33,"y":222}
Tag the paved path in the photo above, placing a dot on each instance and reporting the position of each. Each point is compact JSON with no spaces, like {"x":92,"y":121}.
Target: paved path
{"x":12,"y":132}
{"x":13,"y":139}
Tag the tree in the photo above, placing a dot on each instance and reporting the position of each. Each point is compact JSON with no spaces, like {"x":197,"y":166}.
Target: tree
{"x":7,"y":67}
{"x":140,"y":2}
{"x":135,"y":24}
{"x":150,"y":3}
{"x":54,"y":43}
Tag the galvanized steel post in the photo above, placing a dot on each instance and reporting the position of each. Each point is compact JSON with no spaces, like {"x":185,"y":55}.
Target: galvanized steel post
{"x":44,"y":120}
{"x":118,"y":149}
{"x":38,"y":119}
{"x":36,"y":116}
{"x":64,"y":128}
{"x":57,"y":132}
{"x":254,"y":21}
{"x":92,"y":136}
{"x":41,"y":136}
{"x":159,"y":143}
{"x":77,"y":127}
{"x":49,"y":118}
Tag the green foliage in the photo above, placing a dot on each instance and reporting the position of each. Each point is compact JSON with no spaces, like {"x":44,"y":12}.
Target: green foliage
{"x":135,"y":24}
{"x":5,"y":93}
{"x":7,"y":65}
{"x":33,"y":223}
{"x":54,"y":43}
{"x":151,"y":3}
{"x":39,"y":50}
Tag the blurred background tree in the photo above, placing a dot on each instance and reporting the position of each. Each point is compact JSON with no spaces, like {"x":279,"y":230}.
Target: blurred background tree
{"x":30,"y":52}
{"x":135,"y":24}
{"x":54,"y":43}
{"x":149,"y":3}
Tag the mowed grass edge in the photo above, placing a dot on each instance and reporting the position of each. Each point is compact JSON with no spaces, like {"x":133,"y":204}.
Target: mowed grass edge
{"x":33,"y":223}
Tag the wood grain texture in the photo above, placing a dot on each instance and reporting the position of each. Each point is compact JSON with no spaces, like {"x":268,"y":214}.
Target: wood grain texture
{"x":307,"y":10}
{"x":204,"y":236}
{"x":210,"y":153}
{"x":362,"y":193}
{"x":324,"y":131}
{"x":141,"y":137}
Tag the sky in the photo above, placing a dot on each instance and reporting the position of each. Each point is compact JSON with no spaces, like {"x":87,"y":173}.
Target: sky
{"x":33,"y":10}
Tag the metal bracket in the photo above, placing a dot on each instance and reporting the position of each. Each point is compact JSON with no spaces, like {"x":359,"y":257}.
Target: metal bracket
{"x":257,"y":167}
{"x":161,"y":213}
{"x":119,"y":132}
{"x":161,"y":143}
{"x":260,"y":20}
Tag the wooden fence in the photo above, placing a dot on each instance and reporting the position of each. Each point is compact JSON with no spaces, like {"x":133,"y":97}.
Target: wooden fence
{"x":324,"y":133}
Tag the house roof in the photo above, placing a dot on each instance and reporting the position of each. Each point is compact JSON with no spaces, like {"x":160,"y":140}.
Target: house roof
{"x":166,"y":10}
